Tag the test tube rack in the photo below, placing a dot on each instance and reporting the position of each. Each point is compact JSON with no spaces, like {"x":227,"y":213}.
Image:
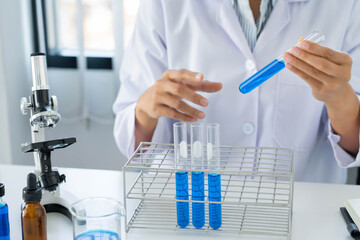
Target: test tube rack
{"x":256,"y":186}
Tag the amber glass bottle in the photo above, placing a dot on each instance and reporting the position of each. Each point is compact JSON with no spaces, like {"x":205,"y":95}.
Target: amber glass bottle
{"x":33,"y":215}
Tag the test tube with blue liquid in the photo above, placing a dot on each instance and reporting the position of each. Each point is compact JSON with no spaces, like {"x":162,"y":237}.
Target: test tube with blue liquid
{"x":197,"y":174}
{"x":214,"y":177}
{"x":181,"y":176}
{"x":274,"y":67}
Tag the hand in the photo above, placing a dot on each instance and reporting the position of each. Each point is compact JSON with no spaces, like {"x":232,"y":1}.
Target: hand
{"x":325,"y":70}
{"x":164,"y":98}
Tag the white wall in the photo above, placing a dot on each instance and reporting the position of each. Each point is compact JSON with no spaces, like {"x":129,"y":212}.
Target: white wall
{"x":5,"y":153}
{"x":95,"y":147}
{"x":15,"y":72}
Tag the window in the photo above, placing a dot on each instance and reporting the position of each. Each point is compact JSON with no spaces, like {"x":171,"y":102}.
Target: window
{"x":98,"y":25}
{"x":62,"y":27}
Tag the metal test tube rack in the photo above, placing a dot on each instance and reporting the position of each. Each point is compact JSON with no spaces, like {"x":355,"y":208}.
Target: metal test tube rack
{"x":257,"y":187}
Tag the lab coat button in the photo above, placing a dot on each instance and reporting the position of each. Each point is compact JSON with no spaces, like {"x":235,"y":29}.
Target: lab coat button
{"x":249,"y":65}
{"x":248,"y":128}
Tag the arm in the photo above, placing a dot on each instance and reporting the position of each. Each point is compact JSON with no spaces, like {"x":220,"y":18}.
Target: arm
{"x":144,"y":61}
{"x":328,"y":72}
{"x":150,"y":95}
{"x":345,"y":120}
{"x":335,"y":82}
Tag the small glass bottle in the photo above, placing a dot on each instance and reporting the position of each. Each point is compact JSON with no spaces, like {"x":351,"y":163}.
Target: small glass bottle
{"x":33,"y":215}
{"x":4,"y":216}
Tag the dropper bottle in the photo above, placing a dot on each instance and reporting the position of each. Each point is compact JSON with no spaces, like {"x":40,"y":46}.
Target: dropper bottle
{"x":4,"y":216}
{"x":33,"y":215}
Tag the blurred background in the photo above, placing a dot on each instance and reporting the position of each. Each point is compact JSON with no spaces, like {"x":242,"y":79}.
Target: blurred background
{"x":84,"y":41}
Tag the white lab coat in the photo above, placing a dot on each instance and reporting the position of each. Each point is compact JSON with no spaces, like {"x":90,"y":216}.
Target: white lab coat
{"x":205,"y":36}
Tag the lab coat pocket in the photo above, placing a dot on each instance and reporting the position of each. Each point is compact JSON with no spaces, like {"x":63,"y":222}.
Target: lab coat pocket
{"x":297,"y":114}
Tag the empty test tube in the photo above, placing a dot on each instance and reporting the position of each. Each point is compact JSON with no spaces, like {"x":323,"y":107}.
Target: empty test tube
{"x":197,"y":176}
{"x":274,"y":67}
{"x":214,"y":178}
{"x":181,"y":177}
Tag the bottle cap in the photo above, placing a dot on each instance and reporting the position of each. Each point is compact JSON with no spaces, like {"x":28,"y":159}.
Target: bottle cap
{"x":2,"y":190}
{"x":32,"y":193}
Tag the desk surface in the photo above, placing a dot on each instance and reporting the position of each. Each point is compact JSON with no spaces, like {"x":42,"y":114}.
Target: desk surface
{"x":316,"y":212}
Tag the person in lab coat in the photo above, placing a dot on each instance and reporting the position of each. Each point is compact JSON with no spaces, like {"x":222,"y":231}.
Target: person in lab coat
{"x":187,"y":58}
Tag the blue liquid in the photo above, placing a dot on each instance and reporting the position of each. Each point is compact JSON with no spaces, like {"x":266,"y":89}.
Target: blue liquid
{"x":198,"y":209}
{"x":261,"y":76}
{"x":214,"y":182}
{"x":98,"y":235}
{"x":182,"y":193}
{"x":4,"y":222}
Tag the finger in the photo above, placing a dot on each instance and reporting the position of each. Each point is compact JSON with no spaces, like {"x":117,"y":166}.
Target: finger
{"x":205,"y":86}
{"x":300,"y":39}
{"x":183,"y":74}
{"x":314,"y":83}
{"x":325,"y":52}
{"x":166,"y":111}
{"x":308,"y":69}
{"x":180,"y":89}
{"x":181,"y":106}
{"x":318,"y":62}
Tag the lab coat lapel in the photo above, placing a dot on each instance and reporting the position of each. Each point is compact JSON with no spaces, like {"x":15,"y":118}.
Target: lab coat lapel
{"x":277,"y":21}
{"x":228,"y":20}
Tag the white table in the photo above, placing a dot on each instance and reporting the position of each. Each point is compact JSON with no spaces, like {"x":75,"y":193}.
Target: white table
{"x":316,"y":212}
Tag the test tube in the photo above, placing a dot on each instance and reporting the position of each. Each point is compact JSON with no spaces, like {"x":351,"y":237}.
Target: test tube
{"x":214,"y":177}
{"x":181,"y":177}
{"x":274,"y":67}
{"x":197,"y":175}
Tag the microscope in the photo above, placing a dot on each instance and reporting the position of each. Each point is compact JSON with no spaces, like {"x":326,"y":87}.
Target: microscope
{"x":43,"y":114}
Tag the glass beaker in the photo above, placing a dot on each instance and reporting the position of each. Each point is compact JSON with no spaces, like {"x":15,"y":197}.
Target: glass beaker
{"x":97,"y":219}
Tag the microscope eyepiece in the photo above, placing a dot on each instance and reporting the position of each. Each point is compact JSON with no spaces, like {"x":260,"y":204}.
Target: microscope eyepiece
{"x":39,"y":74}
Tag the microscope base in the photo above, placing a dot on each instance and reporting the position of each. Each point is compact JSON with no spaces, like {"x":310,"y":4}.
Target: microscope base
{"x":57,"y":208}
{"x":58,"y":202}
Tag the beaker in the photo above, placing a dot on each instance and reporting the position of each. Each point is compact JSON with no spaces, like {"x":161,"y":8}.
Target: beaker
{"x":97,"y":219}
